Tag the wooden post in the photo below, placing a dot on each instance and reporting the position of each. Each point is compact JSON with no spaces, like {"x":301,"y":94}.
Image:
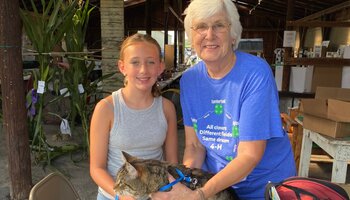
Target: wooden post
{"x":288,"y":52}
{"x":148,"y":17}
{"x":13,"y":100}
{"x":112,"y":35}
{"x":166,"y":14}
{"x":175,"y":42}
{"x":181,"y":35}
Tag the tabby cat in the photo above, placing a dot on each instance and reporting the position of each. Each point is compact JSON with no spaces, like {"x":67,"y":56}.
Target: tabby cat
{"x":141,"y":177}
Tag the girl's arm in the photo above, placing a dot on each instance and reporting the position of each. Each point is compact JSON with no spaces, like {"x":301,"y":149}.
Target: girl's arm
{"x":100,"y":126}
{"x":171,"y":141}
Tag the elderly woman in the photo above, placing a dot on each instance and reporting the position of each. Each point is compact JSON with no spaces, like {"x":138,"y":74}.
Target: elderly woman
{"x":231,"y":110}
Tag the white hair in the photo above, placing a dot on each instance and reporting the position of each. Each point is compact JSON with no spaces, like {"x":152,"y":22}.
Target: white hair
{"x":203,"y":9}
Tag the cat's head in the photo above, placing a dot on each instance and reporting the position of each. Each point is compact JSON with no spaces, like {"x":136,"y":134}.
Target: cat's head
{"x":139,"y":178}
{"x":127,"y":177}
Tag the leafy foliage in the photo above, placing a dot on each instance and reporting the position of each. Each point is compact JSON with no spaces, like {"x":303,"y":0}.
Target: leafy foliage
{"x":45,"y":30}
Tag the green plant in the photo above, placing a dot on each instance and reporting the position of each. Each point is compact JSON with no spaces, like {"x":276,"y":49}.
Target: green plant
{"x":77,"y":71}
{"x":76,"y":76}
{"x":45,"y":29}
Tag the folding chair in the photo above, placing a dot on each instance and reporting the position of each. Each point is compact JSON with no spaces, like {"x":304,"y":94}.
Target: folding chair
{"x":54,"y":187}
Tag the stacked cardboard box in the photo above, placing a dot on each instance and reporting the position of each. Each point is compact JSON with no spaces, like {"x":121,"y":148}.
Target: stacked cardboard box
{"x":328,"y":113}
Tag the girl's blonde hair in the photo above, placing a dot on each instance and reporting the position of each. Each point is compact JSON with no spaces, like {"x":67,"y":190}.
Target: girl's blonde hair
{"x":138,"y":37}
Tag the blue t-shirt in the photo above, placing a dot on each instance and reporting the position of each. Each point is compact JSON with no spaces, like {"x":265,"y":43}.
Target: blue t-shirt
{"x":242,"y":106}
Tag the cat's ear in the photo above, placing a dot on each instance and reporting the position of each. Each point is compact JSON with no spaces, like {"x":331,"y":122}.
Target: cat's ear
{"x":133,"y":174}
{"x":129,"y":167}
{"x":127,"y":157}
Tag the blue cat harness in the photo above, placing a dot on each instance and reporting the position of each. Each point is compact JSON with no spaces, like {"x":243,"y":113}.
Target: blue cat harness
{"x":182,"y":177}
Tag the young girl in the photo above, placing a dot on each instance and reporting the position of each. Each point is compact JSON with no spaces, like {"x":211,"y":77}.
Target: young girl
{"x":134,"y":119}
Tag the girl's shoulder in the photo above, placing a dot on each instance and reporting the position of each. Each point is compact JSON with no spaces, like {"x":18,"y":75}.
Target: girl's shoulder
{"x":168,"y":106}
{"x":105,"y":103}
{"x":166,"y":103}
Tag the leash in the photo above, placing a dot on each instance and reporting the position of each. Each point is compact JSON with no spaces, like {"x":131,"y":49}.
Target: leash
{"x":182,"y":177}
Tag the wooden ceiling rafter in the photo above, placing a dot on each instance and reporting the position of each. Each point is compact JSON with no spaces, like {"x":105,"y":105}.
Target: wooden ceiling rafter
{"x":310,"y":21}
{"x":243,"y":10}
{"x":326,"y":11}
{"x":318,"y":23}
{"x":176,"y":15}
{"x":131,"y":3}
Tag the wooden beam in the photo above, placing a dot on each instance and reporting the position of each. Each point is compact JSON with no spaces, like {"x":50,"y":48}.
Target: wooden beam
{"x":148,"y":17}
{"x":175,"y":14}
{"x":326,"y":11}
{"x":288,"y":51}
{"x":336,"y":62}
{"x":266,"y":29}
{"x":319,"y":23}
{"x":290,"y":10}
{"x":133,"y":3}
{"x":166,"y":24}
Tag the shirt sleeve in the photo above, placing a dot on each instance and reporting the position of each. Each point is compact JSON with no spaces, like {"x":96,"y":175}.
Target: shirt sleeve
{"x":259,"y":115}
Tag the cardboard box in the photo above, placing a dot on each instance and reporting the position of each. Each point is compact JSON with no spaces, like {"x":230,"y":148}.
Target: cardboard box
{"x":315,"y":107}
{"x":329,"y":112}
{"x":326,"y":76}
{"x":330,"y":103}
{"x":332,"y":93}
{"x":326,"y":127}
{"x":339,"y":110}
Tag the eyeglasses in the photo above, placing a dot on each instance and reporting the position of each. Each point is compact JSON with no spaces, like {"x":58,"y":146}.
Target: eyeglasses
{"x":219,"y":27}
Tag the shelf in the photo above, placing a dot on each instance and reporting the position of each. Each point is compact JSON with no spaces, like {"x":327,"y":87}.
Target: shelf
{"x":174,"y":76}
{"x":317,"y":61}
{"x":295,"y":94}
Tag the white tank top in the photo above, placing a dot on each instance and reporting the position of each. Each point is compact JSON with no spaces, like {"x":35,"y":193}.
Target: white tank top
{"x":140,"y":133}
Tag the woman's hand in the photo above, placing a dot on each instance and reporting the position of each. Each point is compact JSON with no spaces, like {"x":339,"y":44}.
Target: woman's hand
{"x":178,"y":192}
{"x":126,"y":198}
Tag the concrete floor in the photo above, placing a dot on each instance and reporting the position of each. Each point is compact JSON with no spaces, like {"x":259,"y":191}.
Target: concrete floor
{"x":78,"y":172}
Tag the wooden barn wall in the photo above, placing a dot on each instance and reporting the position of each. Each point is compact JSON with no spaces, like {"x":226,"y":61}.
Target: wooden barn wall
{"x":269,"y":29}
{"x":136,"y":19}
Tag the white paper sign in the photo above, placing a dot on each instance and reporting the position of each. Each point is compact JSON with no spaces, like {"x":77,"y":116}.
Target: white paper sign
{"x":325,"y":43}
{"x":81,"y":88}
{"x":64,"y":91}
{"x":65,"y":128}
{"x":41,"y":87}
{"x":289,"y":38}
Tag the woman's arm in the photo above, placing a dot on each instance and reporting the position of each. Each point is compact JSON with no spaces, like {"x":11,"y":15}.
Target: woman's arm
{"x":171,"y":140}
{"x":194,"y":154}
{"x":100,"y":126}
{"x":248,"y":156}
